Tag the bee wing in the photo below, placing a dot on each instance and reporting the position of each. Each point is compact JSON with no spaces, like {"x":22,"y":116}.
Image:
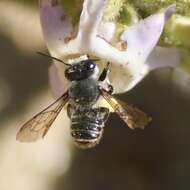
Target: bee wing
{"x":132,"y":116}
{"x":37,"y":127}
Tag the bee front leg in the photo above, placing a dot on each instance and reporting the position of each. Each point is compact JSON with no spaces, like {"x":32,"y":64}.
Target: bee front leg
{"x":104,"y":81}
{"x":110,"y":89}
{"x":104,"y":73}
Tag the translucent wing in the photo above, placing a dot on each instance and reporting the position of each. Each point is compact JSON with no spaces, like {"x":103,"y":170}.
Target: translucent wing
{"x":131,"y":115}
{"x":37,"y":127}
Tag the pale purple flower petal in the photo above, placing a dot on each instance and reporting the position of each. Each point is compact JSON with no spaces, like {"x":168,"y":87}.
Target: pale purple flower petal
{"x":142,"y":37}
{"x":56,"y":28}
{"x":55,"y":25}
{"x":58,"y":88}
{"x":128,"y":66}
{"x":163,"y":57}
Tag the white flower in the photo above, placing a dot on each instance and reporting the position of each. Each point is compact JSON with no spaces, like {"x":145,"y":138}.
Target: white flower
{"x":132,"y":57}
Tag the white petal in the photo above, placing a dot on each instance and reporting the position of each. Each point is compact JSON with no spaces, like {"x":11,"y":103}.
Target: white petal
{"x":91,"y":16}
{"x":163,"y":57}
{"x":160,"y":57}
{"x":87,"y":30}
{"x":55,"y":25}
{"x":141,"y":39}
{"x":107,"y":30}
{"x":57,"y":86}
{"x":128,"y":67}
{"x":143,"y":36}
{"x":90,"y":19}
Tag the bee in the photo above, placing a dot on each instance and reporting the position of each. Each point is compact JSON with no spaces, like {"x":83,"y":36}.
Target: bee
{"x":87,"y":119}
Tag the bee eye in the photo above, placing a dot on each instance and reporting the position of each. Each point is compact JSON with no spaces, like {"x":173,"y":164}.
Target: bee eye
{"x":91,"y":66}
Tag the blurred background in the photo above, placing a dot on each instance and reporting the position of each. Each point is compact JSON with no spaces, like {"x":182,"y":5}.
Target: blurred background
{"x":155,"y":158}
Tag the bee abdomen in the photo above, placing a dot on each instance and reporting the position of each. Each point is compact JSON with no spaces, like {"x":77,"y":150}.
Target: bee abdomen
{"x":87,"y":124}
{"x":85,"y":134}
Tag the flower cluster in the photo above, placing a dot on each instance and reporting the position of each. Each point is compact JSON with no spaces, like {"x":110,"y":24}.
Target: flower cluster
{"x":132,"y":55}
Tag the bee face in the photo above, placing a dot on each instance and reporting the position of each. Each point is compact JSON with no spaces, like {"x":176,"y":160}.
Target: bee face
{"x":80,"y":70}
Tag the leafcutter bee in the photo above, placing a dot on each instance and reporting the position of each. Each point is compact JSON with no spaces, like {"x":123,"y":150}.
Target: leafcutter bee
{"x":87,"y":119}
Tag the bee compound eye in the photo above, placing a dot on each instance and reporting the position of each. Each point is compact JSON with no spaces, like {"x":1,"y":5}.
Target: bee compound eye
{"x":91,"y":65}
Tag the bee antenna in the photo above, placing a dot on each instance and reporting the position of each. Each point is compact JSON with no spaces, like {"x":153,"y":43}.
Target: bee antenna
{"x":46,"y":55}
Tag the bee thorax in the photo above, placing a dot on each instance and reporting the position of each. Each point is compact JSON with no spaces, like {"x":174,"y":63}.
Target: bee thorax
{"x":84,"y":91}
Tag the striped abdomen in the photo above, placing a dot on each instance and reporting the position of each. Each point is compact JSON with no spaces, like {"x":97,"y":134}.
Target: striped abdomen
{"x":87,"y":125}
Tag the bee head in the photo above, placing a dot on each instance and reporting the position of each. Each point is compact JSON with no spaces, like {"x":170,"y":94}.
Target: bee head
{"x":80,"y":70}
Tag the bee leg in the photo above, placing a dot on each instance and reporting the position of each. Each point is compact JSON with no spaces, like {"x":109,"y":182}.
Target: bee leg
{"x":104,"y":81}
{"x":103,"y":113}
{"x":110,"y":89}
{"x":104,"y":73}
